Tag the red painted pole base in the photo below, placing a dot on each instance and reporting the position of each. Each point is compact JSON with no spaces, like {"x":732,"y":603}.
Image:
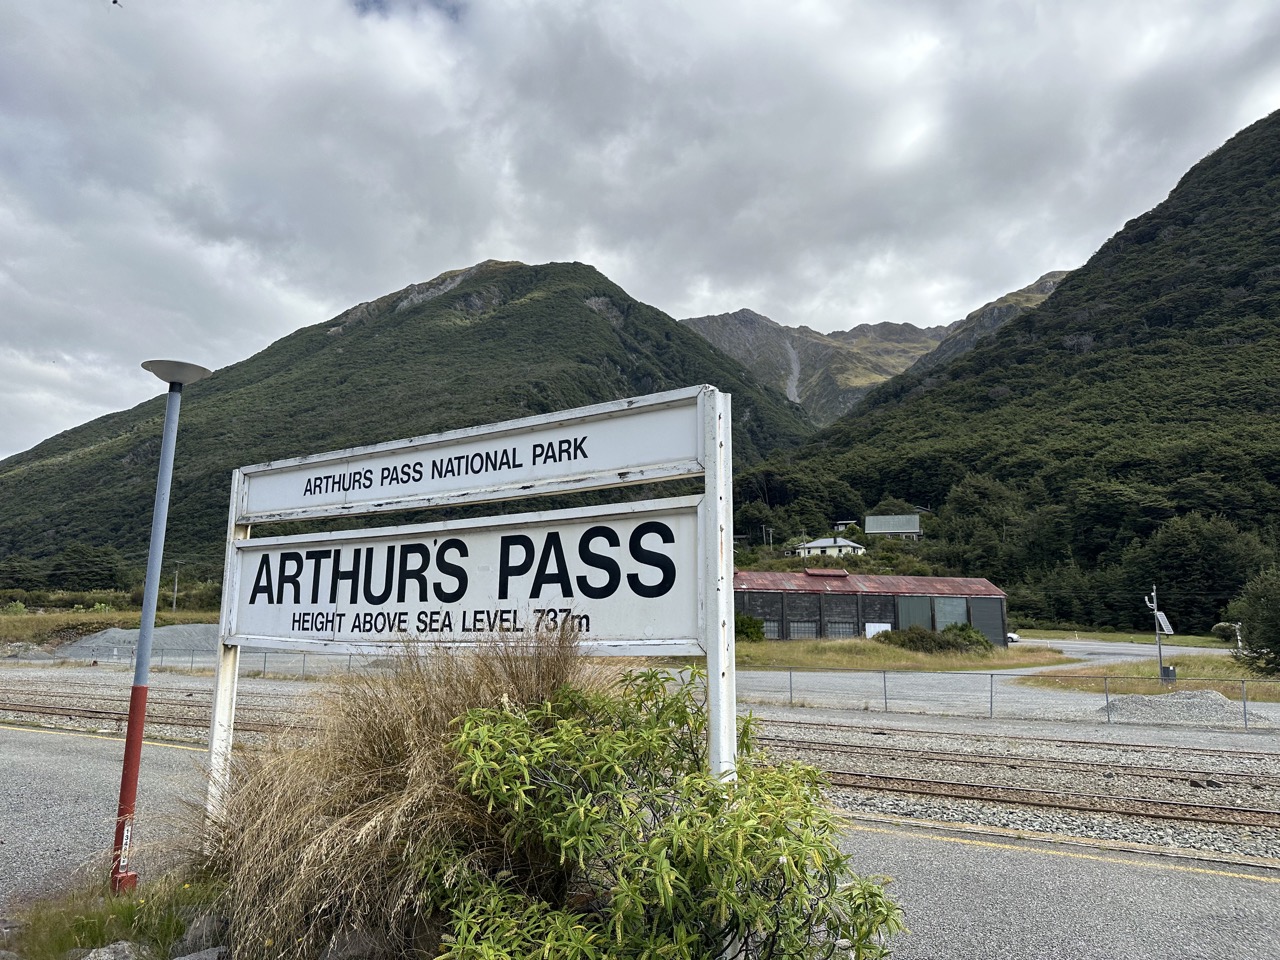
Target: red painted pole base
{"x":122,"y":878}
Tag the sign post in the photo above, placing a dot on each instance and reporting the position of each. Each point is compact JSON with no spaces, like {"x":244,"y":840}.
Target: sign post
{"x":653,"y":577}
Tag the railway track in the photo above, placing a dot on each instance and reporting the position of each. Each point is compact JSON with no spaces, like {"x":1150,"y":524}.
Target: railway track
{"x":182,"y":709}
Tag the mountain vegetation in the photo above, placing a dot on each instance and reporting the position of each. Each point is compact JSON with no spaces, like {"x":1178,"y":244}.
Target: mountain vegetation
{"x":825,"y":373}
{"x":1121,"y":434}
{"x":493,"y":342}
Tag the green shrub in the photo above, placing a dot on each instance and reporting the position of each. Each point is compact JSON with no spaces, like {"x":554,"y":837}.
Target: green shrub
{"x":748,"y":629}
{"x":956,"y":638}
{"x":638,"y":850}
{"x":13,"y":608}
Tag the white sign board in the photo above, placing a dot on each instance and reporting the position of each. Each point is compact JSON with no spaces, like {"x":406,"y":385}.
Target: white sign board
{"x":617,"y":575}
{"x":638,"y":579}
{"x":608,"y":445}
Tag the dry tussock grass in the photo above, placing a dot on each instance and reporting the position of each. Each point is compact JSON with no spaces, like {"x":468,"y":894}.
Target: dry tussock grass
{"x":318,"y":841}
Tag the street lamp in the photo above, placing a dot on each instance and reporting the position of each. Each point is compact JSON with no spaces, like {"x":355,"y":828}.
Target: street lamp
{"x":177,"y":375}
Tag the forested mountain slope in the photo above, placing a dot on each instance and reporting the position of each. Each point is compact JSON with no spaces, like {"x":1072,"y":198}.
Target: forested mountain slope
{"x":1124,"y":432}
{"x":493,"y":342}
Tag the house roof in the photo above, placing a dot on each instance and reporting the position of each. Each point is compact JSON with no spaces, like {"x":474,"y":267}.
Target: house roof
{"x":841,"y":581}
{"x":831,"y":542}
{"x":898,"y":523}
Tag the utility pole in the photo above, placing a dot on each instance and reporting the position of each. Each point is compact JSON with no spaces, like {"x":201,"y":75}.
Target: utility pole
{"x":176,"y":565}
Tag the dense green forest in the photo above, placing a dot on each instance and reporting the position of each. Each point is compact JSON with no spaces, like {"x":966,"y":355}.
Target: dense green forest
{"x":1124,"y":433}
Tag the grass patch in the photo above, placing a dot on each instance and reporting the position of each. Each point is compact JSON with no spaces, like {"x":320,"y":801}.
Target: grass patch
{"x":1190,"y":640}
{"x":155,"y":915}
{"x":53,"y":629}
{"x":1202,"y":672}
{"x":863,"y":654}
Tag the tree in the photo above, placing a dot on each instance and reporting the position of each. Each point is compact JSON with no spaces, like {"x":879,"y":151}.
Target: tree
{"x":1258,"y":611}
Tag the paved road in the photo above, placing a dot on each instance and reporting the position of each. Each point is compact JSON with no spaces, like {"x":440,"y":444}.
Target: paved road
{"x":58,"y":798}
{"x":968,"y":897}
{"x":974,"y":897}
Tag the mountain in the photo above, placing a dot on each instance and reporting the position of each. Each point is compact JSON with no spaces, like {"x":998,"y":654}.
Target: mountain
{"x":492,"y":342}
{"x":962,"y":336}
{"x":1123,"y":433}
{"x":824,"y":373}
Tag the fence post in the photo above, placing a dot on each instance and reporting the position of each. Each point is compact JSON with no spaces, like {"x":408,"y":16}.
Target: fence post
{"x":193,"y":659}
{"x":1244,"y":700}
{"x":884,"y":676}
{"x":991,"y":704}
{"x":264,"y":664}
{"x":791,"y":687}
{"x":1106,"y":692}
{"x":304,"y":666}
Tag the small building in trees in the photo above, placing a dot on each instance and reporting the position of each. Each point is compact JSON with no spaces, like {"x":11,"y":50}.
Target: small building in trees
{"x":830,"y":547}
{"x":906,"y":526}
{"x":835,"y":603}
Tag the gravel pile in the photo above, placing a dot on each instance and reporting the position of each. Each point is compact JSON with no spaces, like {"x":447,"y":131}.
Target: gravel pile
{"x":1200,"y":708}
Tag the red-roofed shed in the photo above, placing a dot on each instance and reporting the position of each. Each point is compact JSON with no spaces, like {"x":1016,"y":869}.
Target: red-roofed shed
{"x":835,"y":603}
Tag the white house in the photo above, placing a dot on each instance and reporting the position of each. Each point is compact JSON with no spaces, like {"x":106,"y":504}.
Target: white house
{"x":830,"y":547}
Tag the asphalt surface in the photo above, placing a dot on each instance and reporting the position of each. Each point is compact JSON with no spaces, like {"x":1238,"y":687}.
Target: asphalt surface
{"x":58,"y":797}
{"x":975,"y":897}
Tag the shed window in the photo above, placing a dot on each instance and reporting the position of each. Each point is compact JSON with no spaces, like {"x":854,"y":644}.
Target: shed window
{"x":804,"y":629}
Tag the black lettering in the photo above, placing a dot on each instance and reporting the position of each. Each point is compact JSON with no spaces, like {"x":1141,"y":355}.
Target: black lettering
{"x":368,"y":478}
{"x":288,"y":574}
{"x":316,"y":558}
{"x":552,"y":550}
{"x":507,"y":569}
{"x":579,"y":448}
{"x":565,"y":451}
{"x":405,"y":573}
{"x":539,"y":449}
{"x":339,"y":575}
{"x":659,"y":561}
{"x":262,"y":581}
{"x":385,"y":476}
{"x":388,"y":576}
{"x":599,"y":561}
{"x":417,"y":471}
{"x":449,"y":569}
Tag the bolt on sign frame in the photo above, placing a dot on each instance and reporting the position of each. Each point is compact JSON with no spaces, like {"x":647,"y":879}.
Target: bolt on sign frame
{"x":648,"y":578}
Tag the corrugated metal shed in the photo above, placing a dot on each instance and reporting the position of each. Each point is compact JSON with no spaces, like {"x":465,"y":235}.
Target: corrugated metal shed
{"x":839,"y":581}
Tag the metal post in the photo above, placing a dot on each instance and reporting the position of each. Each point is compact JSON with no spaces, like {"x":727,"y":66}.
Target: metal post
{"x":884,"y":677}
{"x":1106,"y":692}
{"x":304,"y":666}
{"x":716,"y":523}
{"x":991,"y":703}
{"x":122,"y":878}
{"x":1244,"y":701}
{"x":791,"y":687}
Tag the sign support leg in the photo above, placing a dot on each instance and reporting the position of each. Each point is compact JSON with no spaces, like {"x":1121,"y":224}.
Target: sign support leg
{"x":717,"y":586}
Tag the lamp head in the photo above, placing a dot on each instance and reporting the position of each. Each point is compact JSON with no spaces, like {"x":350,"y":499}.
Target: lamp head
{"x":175,"y":371}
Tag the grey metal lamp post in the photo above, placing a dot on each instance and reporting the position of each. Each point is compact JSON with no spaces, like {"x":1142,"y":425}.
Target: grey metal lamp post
{"x":177,"y":374}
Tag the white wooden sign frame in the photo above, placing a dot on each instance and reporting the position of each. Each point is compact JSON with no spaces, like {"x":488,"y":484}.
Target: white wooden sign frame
{"x":665,"y":436}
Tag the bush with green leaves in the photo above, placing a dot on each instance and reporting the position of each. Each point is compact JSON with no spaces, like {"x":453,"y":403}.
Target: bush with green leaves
{"x":748,"y":629}
{"x":636,"y":849}
{"x":955,"y":638}
{"x":1258,"y":611}
{"x":474,"y":808}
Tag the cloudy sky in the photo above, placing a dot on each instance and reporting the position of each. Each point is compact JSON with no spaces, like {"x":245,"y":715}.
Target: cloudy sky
{"x":196,"y":180}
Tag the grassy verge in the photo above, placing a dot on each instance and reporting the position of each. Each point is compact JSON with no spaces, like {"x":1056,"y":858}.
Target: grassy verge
{"x":1204,"y":672}
{"x":85,"y":918}
{"x":862,"y":654}
{"x":1108,"y":637}
{"x":56,"y":628}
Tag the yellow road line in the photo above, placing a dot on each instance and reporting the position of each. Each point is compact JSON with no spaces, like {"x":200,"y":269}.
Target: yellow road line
{"x":1074,"y":854}
{"x":99,"y":736}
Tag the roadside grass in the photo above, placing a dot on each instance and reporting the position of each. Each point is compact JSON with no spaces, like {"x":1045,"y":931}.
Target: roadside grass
{"x":55,"y":628}
{"x":1201,"y":672}
{"x":89,"y":916}
{"x":1106,"y":636}
{"x":863,"y":654}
